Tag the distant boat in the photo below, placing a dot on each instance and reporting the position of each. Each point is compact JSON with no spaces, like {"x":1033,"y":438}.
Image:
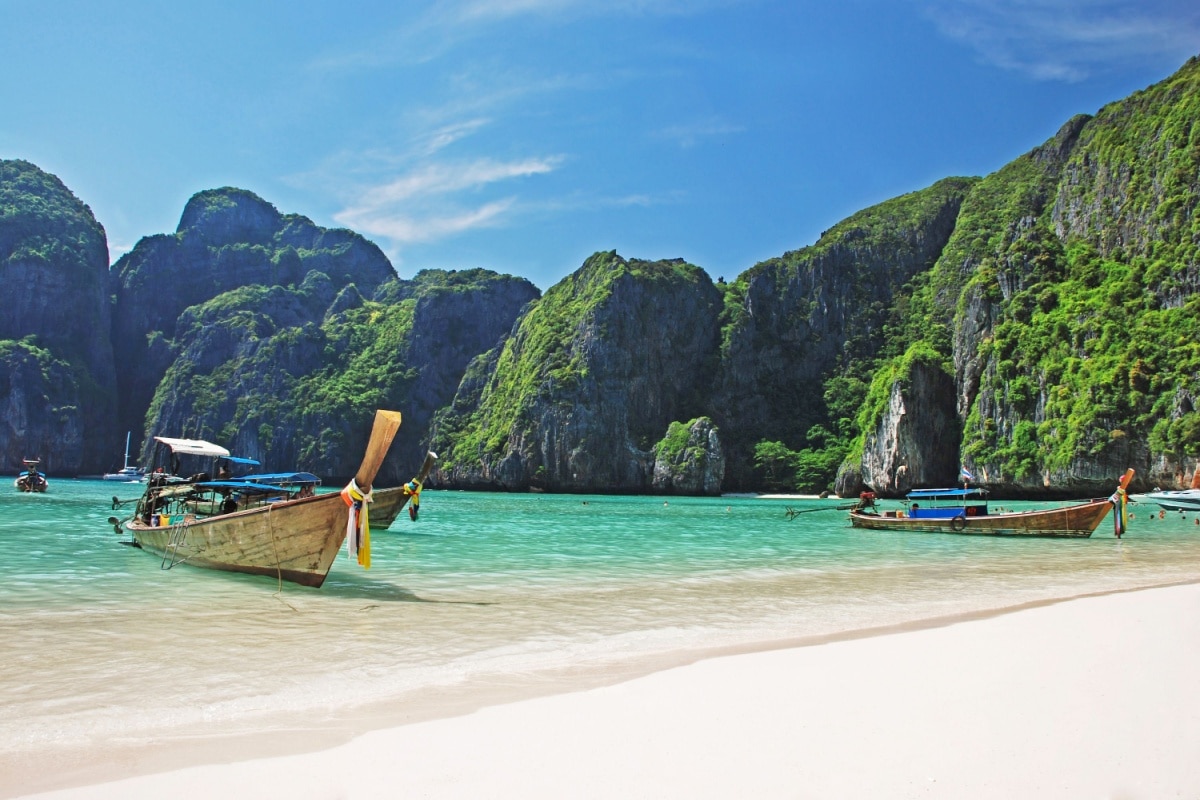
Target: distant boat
{"x":127,"y":473}
{"x":1177,"y":499}
{"x":273,"y":525}
{"x":965,"y":511}
{"x":31,"y":480}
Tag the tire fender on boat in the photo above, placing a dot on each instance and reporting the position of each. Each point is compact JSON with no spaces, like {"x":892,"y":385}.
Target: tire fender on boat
{"x":958,"y":523}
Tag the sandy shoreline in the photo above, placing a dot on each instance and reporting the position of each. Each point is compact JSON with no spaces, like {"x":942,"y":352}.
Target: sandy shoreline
{"x":1092,"y":697}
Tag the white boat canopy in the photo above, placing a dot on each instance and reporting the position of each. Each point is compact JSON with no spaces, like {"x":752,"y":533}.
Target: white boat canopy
{"x":193,"y":447}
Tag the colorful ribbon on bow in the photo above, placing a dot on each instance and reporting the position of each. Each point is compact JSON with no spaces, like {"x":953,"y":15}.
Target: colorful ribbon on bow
{"x":1120,"y":518}
{"x":358,"y":526}
{"x":412,"y":490}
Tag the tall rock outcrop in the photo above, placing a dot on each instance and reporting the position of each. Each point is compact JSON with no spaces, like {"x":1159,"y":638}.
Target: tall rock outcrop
{"x":689,"y":460}
{"x":227,"y":239}
{"x":588,"y":382}
{"x":57,"y":376}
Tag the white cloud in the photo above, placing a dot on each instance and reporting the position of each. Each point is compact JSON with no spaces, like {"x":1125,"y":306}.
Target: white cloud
{"x":399,"y":208}
{"x":1069,"y":40}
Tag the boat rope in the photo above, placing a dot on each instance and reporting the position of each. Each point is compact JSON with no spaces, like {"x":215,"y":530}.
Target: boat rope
{"x":278,"y":565}
{"x":358,"y":525}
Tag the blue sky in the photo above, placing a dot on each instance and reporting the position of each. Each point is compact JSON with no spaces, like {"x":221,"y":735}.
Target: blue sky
{"x":524,"y":135}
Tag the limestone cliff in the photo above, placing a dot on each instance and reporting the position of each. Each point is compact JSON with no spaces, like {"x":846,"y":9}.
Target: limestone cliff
{"x":57,"y":377}
{"x":588,"y":382}
{"x":1038,"y":325}
{"x":1077,"y":320}
{"x":818,"y":314}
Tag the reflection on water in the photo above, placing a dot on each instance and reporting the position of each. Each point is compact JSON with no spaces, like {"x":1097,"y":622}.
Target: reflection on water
{"x":100,"y":641}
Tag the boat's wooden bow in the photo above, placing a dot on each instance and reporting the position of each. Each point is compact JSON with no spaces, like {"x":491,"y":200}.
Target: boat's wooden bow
{"x":382,"y":433}
{"x":1125,"y":479}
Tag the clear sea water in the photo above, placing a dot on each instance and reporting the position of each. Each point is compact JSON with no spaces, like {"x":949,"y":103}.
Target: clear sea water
{"x":99,"y":644}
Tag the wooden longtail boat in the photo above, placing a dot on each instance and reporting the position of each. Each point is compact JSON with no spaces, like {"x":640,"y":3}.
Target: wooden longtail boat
{"x":295,"y":539}
{"x":964,"y":511}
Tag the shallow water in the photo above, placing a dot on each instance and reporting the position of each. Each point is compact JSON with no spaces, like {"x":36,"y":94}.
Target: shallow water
{"x":100,"y":643}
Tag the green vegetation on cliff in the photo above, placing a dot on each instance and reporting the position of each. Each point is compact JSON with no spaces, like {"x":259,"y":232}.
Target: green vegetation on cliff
{"x":284,"y":373}
{"x":1065,"y":297}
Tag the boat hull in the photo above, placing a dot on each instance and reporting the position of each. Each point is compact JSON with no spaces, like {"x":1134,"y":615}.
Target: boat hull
{"x":295,"y":541}
{"x":32,"y":485}
{"x":385,"y":506}
{"x":1077,"y":521}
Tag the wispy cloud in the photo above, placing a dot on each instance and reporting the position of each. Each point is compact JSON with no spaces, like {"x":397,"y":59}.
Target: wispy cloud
{"x":405,"y":227}
{"x":433,"y":200}
{"x":1068,"y":40}
{"x":689,"y":134}
{"x":434,"y":179}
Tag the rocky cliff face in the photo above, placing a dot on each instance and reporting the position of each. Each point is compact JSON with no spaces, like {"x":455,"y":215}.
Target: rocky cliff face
{"x":452,"y":324}
{"x":589,"y":381}
{"x":798,"y":320}
{"x":57,"y":362}
{"x":292,"y":376}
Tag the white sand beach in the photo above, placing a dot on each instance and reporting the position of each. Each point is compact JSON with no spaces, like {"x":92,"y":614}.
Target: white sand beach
{"x":1096,"y":697}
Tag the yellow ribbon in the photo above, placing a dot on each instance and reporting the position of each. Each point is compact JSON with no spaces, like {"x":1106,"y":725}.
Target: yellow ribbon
{"x":358,"y":524}
{"x":412,"y":489}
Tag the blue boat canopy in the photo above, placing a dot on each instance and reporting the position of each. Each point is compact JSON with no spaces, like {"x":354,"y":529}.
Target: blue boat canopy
{"x":241,"y":460}
{"x":282,"y":478}
{"x":242,"y":487}
{"x":933,"y":494}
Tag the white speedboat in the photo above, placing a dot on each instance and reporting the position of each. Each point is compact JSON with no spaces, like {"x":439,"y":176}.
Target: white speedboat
{"x":1173,"y":500}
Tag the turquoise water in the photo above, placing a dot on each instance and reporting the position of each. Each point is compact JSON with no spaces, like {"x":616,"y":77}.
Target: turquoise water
{"x":100,"y":644}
